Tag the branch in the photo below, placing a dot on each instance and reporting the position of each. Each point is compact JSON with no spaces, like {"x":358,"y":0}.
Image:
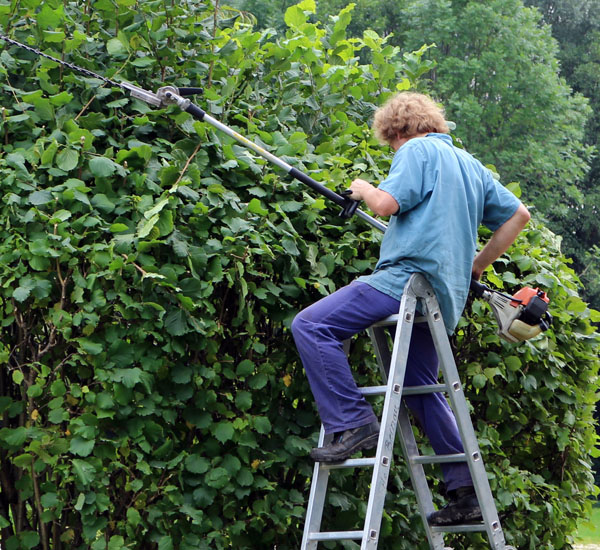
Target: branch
{"x":8,"y":493}
{"x":50,"y":344}
{"x":212,"y":46}
{"x":189,"y":160}
{"x":84,"y":108}
{"x":144,"y":273}
{"x":38,"y":504}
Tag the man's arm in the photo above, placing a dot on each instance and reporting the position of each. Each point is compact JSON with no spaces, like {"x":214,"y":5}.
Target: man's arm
{"x":378,"y":201}
{"x":502,"y":238}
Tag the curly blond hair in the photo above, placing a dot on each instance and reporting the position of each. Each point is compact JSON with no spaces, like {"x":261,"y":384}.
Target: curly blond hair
{"x":408,"y":114}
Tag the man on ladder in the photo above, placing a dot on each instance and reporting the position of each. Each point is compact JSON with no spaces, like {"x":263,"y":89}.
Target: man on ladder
{"x":437,"y":196}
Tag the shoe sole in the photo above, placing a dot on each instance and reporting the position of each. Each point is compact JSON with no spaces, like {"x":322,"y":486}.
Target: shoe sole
{"x":467,"y":519}
{"x":367,"y":443}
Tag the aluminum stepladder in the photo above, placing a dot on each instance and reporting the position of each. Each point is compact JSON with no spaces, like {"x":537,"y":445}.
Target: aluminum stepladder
{"x":395,"y":415}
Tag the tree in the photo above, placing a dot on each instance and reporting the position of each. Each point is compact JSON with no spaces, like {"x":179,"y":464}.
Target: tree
{"x":150,"y":393}
{"x":497,"y":75}
{"x":575,"y":25}
{"x":268,"y":13}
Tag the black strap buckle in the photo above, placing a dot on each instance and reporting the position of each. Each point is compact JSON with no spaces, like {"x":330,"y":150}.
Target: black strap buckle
{"x":350,"y":206}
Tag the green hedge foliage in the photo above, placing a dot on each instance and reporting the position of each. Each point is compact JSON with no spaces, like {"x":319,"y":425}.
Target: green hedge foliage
{"x":150,"y":392}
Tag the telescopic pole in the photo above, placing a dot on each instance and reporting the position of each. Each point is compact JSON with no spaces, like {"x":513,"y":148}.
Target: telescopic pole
{"x":170,"y":94}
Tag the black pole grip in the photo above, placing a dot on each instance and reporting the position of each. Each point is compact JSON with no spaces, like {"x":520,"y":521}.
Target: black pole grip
{"x":190,"y":91}
{"x":195,"y":111}
{"x":348,"y":205}
{"x":478,"y":288}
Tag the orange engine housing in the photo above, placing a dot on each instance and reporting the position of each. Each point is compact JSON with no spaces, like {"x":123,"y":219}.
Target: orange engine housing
{"x":523,"y":296}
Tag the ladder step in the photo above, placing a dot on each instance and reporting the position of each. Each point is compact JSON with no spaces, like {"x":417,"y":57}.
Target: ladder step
{"x":389,"y":320}
{"x":350,"y":463}
{"x":473,"y":528}
{"x":407,"y":390}
{"x":336,"y":535}
{"x":373,"y":390}
{"x":393,"y":320}
{"x":421,"y":390}
{"x":438,"y":459}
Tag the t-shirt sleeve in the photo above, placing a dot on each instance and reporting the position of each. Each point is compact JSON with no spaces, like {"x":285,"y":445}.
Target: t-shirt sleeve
{"x":405,"y":180}
{"x":500,"y":204}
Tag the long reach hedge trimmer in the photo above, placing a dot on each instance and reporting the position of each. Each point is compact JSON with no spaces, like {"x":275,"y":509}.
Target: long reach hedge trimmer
{"x":519,"y":317}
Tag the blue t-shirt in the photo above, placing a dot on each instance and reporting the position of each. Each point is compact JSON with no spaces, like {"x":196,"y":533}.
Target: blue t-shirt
{"x":444,"y":195}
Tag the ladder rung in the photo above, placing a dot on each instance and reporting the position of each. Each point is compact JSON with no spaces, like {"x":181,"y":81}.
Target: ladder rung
{"x":350,"y":463}
{"x":438,"y":459}
{"x":407,"y":390}
{"x":459,"y":528}
{"x":373,"y":390}
{"x":420,"y":390}
{"x":336,"y":535}
{"x":393,"y":320}
{"x":389,"y":320}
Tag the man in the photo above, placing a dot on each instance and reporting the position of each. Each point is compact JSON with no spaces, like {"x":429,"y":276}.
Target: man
{"x":436,"y":196}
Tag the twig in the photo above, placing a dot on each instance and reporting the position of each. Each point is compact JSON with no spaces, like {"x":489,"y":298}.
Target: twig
{"x":212,"y":46}
{"x":144,"y":273}
{"x":189,"y":160}
{"x":50,"y":344}
{"x":84,"y":108}
{"x":5,"y":126}
{"x":63,"y":296}
{"x":60,"y":365}
{"x":38,"y":504}
{"x":12,"y":90}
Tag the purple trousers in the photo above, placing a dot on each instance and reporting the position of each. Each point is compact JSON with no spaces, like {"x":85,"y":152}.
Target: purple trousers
{"x":319,"y":332}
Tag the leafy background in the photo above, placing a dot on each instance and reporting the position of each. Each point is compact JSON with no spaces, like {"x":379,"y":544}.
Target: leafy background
{"x":150,"y":393}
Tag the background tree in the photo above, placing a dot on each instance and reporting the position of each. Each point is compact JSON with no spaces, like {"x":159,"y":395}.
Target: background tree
{"x":497,"y":75}
{"x":268,"y":13}
{"x":150,"y":394}
{"x":576,"y":26}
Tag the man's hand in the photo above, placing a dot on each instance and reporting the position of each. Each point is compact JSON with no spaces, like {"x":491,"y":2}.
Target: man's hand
{"x":380,"y":202}
{"x":502,"y":238}
{"x":358,"y":187}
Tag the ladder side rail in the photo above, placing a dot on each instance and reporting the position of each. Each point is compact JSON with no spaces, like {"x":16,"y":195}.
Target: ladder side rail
{"x":408,"y":442}
{"x":316,"y":499}
{"x":458,"y":403}
{"x":389,"y":421}
{"x":418,"y":478}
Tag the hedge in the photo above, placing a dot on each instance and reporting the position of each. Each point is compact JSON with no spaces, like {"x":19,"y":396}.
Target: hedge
{"x":150,"y":392}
